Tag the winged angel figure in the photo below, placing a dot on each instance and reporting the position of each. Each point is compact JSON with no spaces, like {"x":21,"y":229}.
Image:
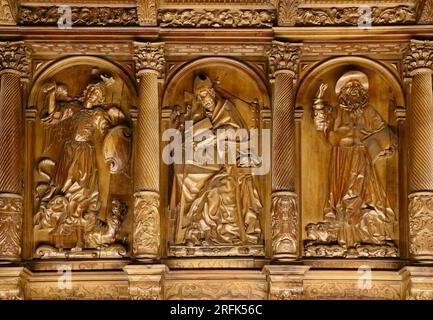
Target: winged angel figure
{"x":73,"y":199}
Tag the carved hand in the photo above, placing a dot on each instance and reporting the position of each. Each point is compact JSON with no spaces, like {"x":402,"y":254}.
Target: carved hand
{"x":321,"y":91}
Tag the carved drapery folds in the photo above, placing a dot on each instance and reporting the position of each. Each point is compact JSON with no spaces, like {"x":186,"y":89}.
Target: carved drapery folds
{"x":419,"y":65}
{"x":150,"y":63}
{"x":283,"y":62}
{"x":14,"y":64}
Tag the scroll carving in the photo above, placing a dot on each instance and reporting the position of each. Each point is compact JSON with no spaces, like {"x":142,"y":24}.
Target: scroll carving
{"x":358,"y":219}
{"x":147,"y":224}
{"x":352,"y":16}
{"x":216,"y":18}
{"x":75,"y":209}
{"x":420,"y":224}
{"x":10,"y":225}
{"x":81,"y":16}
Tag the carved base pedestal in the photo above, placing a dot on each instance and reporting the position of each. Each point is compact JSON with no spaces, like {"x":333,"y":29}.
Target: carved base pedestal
{"x":418,"y":283}
{"x":12,"y":283}
{"x":146,"y":282}
{"x":285,"y":281}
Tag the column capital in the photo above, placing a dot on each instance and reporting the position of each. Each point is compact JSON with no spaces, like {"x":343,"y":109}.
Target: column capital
{"x":149,"y":57}
{"x":284,"y":57}
{"x":419,"y":55}
{"x":15,"y":57}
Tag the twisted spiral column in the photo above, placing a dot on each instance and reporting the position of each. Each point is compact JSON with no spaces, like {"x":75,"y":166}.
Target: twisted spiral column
{"x":149,"y":61}
{"x":419,"y":64}
{"x":13,"y":66}
{"x":284,"y":61}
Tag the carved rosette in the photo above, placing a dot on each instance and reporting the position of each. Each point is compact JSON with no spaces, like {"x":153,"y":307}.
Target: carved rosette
{"x":10,"y":226}
{"x":285,"y":224}
{"x":146,"y":238}
{"x":420,"y":225}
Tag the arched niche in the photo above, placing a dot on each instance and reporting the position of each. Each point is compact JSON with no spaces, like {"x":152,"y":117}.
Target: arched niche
{"x":385,"y":95}
{"x":76,"y":73}
{"x":240,"y":84}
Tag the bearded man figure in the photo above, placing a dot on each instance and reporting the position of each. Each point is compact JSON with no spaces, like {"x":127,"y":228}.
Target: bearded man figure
{"x":356,"y":211}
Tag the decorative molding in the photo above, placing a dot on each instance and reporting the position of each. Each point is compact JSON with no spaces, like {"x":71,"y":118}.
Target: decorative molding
{"x":147,"y":12}
{"x":285,"y":281}
{"x":215,"y":289}
{"x":11,"y":207}
{"x":146,"y":238}
{"x":149,"y":56}
{"x":351,"y":16}
{"x":216,"y":251}
{"x":81,"y":16}
{"x":421,"y":224}
{"x":15,"y":56}
{"x":90,"y":48}
{"x":8,"y":12}
{"x":349,"y":48}
{"x":332,"y":289}
{"x":419,"y":55}
{"x":284,"y":56}
{"x":216,"y":18}
{"x":179,"y":49}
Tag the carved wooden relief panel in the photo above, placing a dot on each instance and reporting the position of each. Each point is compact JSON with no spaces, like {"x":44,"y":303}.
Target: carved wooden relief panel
{"x":82,"y":171}
{"x":217,"y":206}
{"x":350,"y":179}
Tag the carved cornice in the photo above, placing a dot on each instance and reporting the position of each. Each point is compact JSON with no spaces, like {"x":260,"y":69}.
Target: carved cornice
{"x":49,"y":48}
{"x":217,"y":18}
{"x":14,"y":56}
{"x":8,"y":12}
{"x":284,"y":56}
{"x":349,"y":47}
{"x":418,"y":55}
{"x":149,"y":56}
{"x":81,"y":16}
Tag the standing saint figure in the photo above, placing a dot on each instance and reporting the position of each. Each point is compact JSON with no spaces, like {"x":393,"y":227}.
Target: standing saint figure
{"x":74,"y":196}
{"x":214,"y":204}
{"x":356,"y":211}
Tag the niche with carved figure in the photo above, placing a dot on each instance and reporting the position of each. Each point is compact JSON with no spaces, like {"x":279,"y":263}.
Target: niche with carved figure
{"x":217,"y":200}
{"x":82,"y":171}
{"x":350,"y":179}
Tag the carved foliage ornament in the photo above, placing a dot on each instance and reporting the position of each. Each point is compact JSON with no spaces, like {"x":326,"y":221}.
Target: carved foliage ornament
{"x":284,"y":56}
{"x":355,"y":15}
{"x":147,"y":223}
{"x":7,"y":12}
{"x":14,"y":55}
{"x":10,"y":225}
{"x":284,"y":223}
{"x":219,"y":18}
{"x":426,"y":15}
{"x":419,"y":55}
{"x":149,"y":56}
{"x":81,"y":16}
{"x":420,"y":223}
{"x":146,"y":10}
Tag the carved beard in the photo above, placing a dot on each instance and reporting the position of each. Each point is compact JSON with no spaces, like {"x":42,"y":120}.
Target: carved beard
{"x":353,"y":97}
